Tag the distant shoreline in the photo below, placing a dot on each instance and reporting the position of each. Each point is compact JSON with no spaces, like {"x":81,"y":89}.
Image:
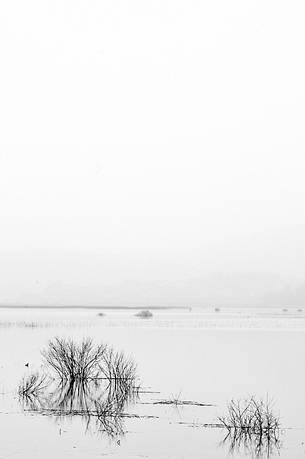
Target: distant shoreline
{"x":155,"y":308}
{"x":91,"y":307}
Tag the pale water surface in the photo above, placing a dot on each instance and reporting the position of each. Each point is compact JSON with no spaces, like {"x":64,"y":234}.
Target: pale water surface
{"x":203,"y":355}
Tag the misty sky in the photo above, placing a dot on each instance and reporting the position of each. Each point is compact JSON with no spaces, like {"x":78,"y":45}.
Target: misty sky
{"x":152,"y":152}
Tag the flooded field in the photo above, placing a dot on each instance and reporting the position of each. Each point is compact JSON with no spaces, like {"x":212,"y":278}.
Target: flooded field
{"x":172,"y":402}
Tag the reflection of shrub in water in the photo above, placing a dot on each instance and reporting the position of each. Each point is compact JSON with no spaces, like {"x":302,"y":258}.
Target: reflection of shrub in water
{"x":98,"y":404}
{"x":251,"y":425}
{"x":256,"y":446}
{"x":93,"y":382}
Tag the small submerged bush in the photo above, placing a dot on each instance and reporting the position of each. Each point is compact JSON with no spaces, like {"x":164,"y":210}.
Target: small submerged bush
{"x":115,"y":366}
{"x":253,"y":425}
{"x":32,"y":385}
{"x":253,"y":415}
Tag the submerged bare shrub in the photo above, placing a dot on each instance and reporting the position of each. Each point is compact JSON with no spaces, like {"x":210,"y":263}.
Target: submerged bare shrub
{"x":85,"y":361}
{"x":251,"y":424}
{"x":32,"y":385}
{"x":115,"y":366}
{"x":73,"y":361}
{"x":254,"y":415}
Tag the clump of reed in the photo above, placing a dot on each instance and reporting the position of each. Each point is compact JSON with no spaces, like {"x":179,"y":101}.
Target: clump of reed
{"x":251,"y":423}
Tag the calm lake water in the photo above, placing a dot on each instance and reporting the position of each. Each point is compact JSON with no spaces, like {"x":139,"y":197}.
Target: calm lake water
{"x":204,"y":356}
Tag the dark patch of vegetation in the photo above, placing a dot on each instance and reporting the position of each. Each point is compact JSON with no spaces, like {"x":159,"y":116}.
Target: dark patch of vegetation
{"x":200,"y":425}
{"x":145,"y":314}
{"x":181,"y":403}
{"x":176,"y":400}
